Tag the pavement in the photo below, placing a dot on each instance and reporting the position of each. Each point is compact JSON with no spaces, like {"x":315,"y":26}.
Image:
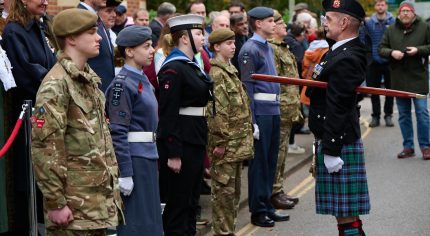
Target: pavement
{"x":293,"y":163}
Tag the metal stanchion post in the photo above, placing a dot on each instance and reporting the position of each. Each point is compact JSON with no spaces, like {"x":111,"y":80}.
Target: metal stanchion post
{"x":32,"y":196}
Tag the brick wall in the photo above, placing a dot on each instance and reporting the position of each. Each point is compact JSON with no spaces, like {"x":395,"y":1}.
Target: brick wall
{"x":55,"y":6}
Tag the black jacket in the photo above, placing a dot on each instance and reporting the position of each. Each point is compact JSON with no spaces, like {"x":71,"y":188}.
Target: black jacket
{"x":333,"y":115}
{"x":181,"y":85}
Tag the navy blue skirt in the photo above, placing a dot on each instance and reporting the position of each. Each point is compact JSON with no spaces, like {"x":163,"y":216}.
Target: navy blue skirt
{"x":344,"y":193}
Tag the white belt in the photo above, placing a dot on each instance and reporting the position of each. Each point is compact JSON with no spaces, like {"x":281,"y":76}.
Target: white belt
{"x":192,"y":111}
{"x":271,"y":97}
{"x":141,"y":137}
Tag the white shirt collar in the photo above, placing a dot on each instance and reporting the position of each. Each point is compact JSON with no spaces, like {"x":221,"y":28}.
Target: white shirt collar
{"x":340,"y":43}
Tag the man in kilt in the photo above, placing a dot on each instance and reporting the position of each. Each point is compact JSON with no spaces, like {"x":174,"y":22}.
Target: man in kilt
{"x":341,"y":183}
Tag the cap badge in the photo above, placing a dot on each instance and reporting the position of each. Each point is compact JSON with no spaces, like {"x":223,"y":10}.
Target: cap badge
{"x":336,"y":3}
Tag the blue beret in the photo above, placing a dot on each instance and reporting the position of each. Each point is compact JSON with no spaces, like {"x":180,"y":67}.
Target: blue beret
{"x":121,"y":9}
{"x":349,"y":7}
{"x":261,"y":12}
{"x":133,"y":35}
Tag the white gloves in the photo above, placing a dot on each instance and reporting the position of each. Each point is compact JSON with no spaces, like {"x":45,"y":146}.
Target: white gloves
{"x":333,"y":164}
{"x":256,"y":133}
{"x":126,"y":185}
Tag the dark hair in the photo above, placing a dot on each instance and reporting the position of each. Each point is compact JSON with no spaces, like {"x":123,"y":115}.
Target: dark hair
{"x":121,"y":51}
{"x":237,"y":4}
{"x":61,"y":42}
{"x":251,"y":22}
{"x":191,"y":3}
{"x":297,"y":29}
{"x":236,"y":18}
{"x":320,"y":33}
{"x":177,"y":35}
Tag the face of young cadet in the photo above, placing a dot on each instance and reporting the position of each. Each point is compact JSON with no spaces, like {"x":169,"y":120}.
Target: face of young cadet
{"x":267,"y":26}
{"x":142,"y":54}
{"x":36,"y":7}
{"x":226,"y":49}
{"x":199,"y":38}
{"x":281,"y":28}
{"x":88,"y":43}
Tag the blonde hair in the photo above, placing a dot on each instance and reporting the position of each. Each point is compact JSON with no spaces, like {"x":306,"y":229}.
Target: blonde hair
{"x":18,"y":13}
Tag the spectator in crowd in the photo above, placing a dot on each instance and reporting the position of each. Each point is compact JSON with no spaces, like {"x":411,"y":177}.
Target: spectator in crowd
{"x":256,"y":56}
{"x":341,"y":181}
{"x":133,"y":115}
{"x":378,"y":68}
{"x":164,"y":12}
{"x":239,"y":25}
{"x":107,"y":14}
{"x":220,"y":21}
{"x":286,"y":65}
{"x":121,"y":18}
{"x":236,"y":7}
{"x":31,"y":58}
{"x":305,"y":18}
{"x":182,"y":129}
{"x":102,"y":64}
{"x":197,"y":8}
{"x":407,"y":44}
{"x":141,"y":17}
{"x":317,"y":49}
{"x":81,"y":197}
{"x":230,"y":133}
{"x":165,"y":45}
{"x":299,"y":8}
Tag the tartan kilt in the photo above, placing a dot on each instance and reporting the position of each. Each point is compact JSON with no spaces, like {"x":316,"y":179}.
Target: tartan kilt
{"x":344,"y":193}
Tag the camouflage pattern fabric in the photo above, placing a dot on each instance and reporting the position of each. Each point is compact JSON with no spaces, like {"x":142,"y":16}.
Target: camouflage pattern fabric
{"x":63,"y":232}
{"x":286,"y":65}
{"x":231,"y":127}
{"x":72,"y":149}
{"x":225,"y":197}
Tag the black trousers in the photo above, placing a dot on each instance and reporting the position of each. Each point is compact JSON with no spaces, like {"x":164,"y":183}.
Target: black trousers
{"x":374,"y":79}
{"x":181,"y":192}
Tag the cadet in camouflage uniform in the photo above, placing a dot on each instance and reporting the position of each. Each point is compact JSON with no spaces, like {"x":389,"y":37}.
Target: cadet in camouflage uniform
{"x":230,"y":133}
{"x":72,"y":150}
{"x":290,"y":110}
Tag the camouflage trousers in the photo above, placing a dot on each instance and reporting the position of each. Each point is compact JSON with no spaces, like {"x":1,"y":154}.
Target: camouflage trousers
{"x":278,"y":183}
{"x":66,"y":232}
{"x":226,"y":182}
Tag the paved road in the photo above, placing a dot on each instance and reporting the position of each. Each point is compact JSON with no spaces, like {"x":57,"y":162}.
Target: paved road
{"x":399,"y":192}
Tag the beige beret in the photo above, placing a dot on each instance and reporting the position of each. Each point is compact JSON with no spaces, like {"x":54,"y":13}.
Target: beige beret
{"x":73,"y":21}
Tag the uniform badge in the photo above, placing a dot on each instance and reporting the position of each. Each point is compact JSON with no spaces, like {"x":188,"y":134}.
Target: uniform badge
{"x":41,"y":110}
{"x":117,"y":89}
{"x":40,"y":123}
{"x":140,"y":87}
{"x":336,"y":3}
{"x":166,"y":85}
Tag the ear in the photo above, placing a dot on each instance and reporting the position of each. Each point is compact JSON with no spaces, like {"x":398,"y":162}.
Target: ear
{"x":70,"y":40}
{"x":129,"y":52}
{"x":217,"y":47}
{"x":258,"y":24}
{"x":185,"y":39}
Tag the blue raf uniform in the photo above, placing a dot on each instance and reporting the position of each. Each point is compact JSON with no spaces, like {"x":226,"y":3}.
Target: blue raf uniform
{"x":256,"y":56}
{"x":132,"y":110}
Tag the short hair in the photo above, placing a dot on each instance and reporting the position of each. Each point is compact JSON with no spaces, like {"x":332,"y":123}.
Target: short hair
{"x":377,"y":1}
{"x":251,"y":22}
{"x":166,"y":8}
{"x":139,"y":10}
{"x":297,"y":29}
{"x":191,"y":3}
{"x":237,"y":4}
{"x":236,"y":18}
{"x":320,"y":33}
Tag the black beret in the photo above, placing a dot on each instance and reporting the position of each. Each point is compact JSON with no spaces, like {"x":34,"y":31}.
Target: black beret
{"x":261,"y":12}
{"x":73,"y":21}
{"x":113,"y":3}
{"x":133,"y":36}
{"x":349,"y":7}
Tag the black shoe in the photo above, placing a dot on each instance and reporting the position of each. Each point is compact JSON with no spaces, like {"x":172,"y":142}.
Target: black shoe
{"x":389,"y":121}
{"x":374,"y":122}
{"x":278,"y":217}
{"x":205,"y":189}
{"x":262,"y":221}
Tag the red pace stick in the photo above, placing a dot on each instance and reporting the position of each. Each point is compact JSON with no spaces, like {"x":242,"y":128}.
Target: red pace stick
{"x":321,"y":84}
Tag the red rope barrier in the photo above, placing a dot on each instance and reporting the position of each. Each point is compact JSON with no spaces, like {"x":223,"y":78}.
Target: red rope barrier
{"x":12,"y":137}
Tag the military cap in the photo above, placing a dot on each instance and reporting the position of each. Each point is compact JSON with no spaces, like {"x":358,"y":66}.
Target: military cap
{"x":219,"y":36}
{"x":277,"y":15}
{"x":260,"y":12}
{"x":113,"y":3}
{"x":349,"y":7}
{"x":121,"y":9}
{"x":73,"y":21}
{"x":133,"y":36}
{"x":301,"y":6}
{"x":184,"y":22}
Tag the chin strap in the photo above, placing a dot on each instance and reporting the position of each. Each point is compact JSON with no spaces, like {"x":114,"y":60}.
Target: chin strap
{"x":193,"y":46}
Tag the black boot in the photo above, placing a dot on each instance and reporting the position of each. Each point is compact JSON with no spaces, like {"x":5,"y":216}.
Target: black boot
{"x":374,"y":122}
{"x":351,"y":229}
{"x":389,"y":121}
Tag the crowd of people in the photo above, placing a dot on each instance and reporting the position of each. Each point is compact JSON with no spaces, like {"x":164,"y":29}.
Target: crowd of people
{"x":132,"y":113}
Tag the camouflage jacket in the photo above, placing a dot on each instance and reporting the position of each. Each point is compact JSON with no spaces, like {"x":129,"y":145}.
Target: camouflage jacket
{"x":286,"y":65}
{"x":72,"y":149}
{"x":231,"y":127}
